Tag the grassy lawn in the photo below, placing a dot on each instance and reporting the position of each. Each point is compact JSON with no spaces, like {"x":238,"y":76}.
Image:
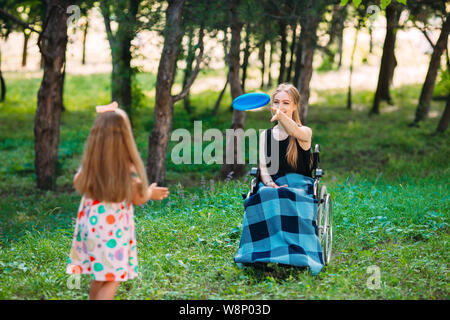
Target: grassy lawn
{"x":389,"y":185}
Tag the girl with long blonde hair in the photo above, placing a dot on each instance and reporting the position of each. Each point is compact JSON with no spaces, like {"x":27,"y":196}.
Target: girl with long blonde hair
{"x":292,"y":139}
{"x":112,"y":179}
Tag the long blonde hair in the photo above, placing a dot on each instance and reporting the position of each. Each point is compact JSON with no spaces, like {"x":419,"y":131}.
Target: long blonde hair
{"x":109,"y":157}
{"x":290,"y":89}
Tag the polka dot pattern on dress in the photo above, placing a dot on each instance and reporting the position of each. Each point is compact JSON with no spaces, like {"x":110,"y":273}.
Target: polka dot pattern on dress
{"x":104,"y":242}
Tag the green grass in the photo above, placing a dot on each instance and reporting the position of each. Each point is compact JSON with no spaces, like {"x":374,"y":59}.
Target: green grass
{"x":389,"y":185}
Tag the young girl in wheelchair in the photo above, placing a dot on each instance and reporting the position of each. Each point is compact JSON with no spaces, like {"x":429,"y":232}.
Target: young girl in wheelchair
{"x":293,"y":138}
{"x":279,"y":224}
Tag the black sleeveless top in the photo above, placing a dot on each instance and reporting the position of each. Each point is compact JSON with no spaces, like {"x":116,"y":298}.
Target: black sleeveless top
{"x":303,"y":157}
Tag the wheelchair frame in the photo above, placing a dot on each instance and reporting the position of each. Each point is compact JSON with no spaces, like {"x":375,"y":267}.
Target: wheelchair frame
{"x":324,"y":217}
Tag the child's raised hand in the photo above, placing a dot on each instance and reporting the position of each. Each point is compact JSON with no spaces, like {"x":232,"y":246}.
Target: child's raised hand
{"x":158,"y":193}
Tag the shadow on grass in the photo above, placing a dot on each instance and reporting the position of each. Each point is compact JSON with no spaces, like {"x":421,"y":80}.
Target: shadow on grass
{"x":280,"y":272}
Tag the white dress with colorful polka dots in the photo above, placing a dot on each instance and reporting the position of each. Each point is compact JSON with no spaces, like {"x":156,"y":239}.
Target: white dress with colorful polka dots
{"x":104,"y":243}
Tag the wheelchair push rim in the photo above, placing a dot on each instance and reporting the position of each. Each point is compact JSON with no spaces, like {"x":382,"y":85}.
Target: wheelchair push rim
{"x":328,"y":230}
{"x":319,"y":220}
{"x":324,"y":223}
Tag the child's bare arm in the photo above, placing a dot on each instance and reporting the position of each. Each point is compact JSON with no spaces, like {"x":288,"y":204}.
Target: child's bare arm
{"x":152,"y":193}
{"x":139,"y":198}
{"x":75,"y":177}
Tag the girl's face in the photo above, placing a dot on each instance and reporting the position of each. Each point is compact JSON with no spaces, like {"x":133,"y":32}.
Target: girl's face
{"x":283,"y":101}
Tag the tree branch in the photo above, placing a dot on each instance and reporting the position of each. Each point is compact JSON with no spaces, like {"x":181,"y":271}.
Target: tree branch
{"x":324,"y":49}
{"x":48,"y":57}
{"x":104,"y":8}
{"x":424,"y":31}
{"x":196,"y":70}
{"x":8,"y":16}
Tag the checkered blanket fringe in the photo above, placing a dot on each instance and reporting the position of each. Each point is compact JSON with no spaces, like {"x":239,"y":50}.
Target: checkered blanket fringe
{"x":280,"y":225}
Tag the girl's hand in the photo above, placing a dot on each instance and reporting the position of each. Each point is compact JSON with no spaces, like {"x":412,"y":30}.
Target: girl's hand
{"x":274,"y":185}
{"x":276,"y":114}
{"x":158,"y":193}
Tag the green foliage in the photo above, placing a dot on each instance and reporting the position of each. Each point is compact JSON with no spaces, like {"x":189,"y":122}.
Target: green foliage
{"x":388,"y":182}
{"x":138,"y":95}
{"x":355,"y":2}
{"x":327,"y":64}
{"x":383,"y":3}
{"x":442,"y":88}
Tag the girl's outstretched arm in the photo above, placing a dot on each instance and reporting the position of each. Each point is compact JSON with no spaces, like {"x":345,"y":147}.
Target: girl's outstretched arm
{"x":153,"y":193}
{"x":138,"y":198}
{"x":302,"y":133}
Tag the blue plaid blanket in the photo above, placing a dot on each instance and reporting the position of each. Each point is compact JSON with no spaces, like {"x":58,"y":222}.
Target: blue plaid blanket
{"x":280,"y":225}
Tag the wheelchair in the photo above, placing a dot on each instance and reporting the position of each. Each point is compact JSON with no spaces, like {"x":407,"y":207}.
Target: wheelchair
{"x":324,"y":217}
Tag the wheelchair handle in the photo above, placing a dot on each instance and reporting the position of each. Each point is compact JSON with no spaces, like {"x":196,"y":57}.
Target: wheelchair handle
{"x":254,"y":172}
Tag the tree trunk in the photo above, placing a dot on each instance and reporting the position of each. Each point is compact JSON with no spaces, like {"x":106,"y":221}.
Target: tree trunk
{"x":226,"y":49}
{"x":292,"y":49}
{"x":2,"y":82}
{"x":120,"y":45}
{"x":430,"y":80}
{"x":121,"y":75}
{"x":340,"y":25}
{"x":85,"y":30}
{"x":308,"y":39}
{"x":188,"y":70}
{"x":219,"y":99}
{"x":336,"y":31}
{"x":269,"y":80}
{"x":160,"y":135}
{"x":63,"y":108}
{"x":26,"y":37}
{"x":262,"y":56}
{"x":443,"y":123}
{"x":352,"y":58}
{"x":340,"y":45}
{"x":52,"y":44}
{"x":283,"y":45}
{"x":298,"y":57}
{"x":447,"y":60}
{"x":225,"y":45}
{"x":388,"y":61}
{"x":246,"y":57}
{"x":3,"y":87}
{"x":238,"y":121}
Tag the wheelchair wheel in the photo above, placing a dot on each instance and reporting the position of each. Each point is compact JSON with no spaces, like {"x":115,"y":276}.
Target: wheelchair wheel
{"x":327,"y":238}
{"x":320,"y":211}
{"x":324,"y":223}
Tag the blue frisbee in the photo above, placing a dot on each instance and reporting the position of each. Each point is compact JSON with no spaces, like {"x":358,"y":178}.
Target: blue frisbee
{"x":250,"y":101}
